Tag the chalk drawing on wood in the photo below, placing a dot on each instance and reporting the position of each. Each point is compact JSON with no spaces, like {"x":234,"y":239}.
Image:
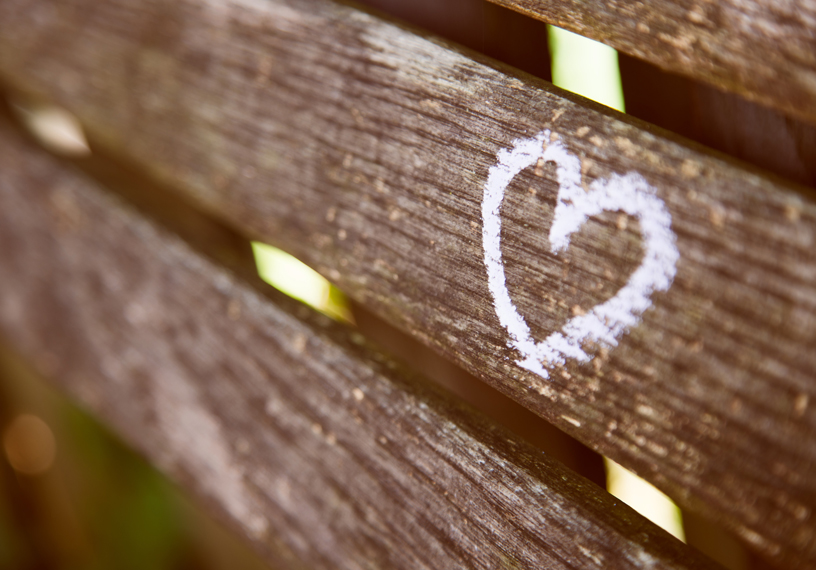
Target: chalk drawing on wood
{"x":605,"y":323}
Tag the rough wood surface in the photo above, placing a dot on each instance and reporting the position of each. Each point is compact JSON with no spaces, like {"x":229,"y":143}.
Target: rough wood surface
{"x":364,"y":150}
{"x":322,"y":451}
{"x":764,"y":50}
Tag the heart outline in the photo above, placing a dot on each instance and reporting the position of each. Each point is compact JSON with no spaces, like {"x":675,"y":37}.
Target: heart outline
{"x":606,"y":322}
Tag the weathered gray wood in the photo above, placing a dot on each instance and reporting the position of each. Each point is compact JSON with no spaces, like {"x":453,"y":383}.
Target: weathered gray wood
{"x":324,"y":453}
{"x":364,"y":149}
{"x":764,"y":50}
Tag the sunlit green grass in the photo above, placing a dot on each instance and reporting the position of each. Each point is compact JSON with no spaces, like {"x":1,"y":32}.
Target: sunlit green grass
{"x":586,"y":67}
{"x":298,"y":280}
{"x":644,"y":498}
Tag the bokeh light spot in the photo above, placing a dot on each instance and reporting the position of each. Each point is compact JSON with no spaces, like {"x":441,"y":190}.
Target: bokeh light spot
{"x":29,"y":445}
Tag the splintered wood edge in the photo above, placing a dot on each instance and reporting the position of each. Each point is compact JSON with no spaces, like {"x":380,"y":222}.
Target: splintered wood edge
{"x":770,"y":61}
{"x":368,"y":152}
{"x":318,"y":449}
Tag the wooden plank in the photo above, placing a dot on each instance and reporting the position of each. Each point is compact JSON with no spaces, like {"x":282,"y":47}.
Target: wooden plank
{"x":765,"y":51}
{"x":365,"y":150}
{"x":323,"y":452}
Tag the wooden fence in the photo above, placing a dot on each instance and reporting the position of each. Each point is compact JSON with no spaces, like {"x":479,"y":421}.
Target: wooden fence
{"x":652,"y":298}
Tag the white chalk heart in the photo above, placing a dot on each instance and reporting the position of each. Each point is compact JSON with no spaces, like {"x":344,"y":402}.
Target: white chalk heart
{"x":605,"y":323}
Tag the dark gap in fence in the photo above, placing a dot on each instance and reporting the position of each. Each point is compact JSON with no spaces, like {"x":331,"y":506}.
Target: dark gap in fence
{"x":723,"y":121}
{"x":487,"y":28}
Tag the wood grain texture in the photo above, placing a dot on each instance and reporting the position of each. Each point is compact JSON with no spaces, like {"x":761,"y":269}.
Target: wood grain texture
{"x":765,"y":50}
{"x":364,"y":149}
{"x":323,"y":452}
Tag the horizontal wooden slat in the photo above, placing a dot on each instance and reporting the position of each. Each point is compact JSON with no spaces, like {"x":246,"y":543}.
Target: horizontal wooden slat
{"x":322,"y":451}
{"x":764,"y":50}
{"x":365,"y":150}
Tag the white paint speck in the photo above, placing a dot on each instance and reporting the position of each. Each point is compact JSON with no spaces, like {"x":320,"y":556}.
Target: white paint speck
{"x":630,"y":194}
{"x":596,"y":558}
{"x":573,"y":421}
{"x":800,"y":404}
